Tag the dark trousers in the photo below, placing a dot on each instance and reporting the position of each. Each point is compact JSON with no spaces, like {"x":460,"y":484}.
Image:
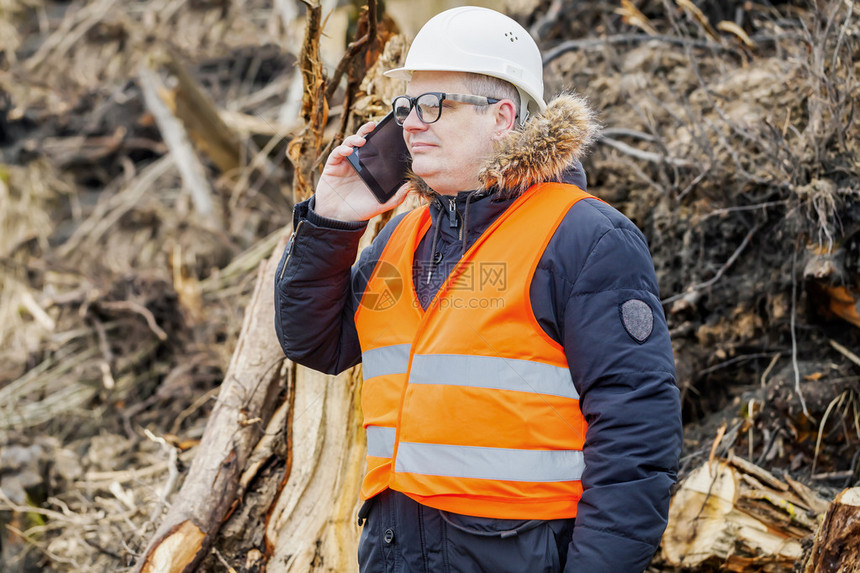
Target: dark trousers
{"x":403,"y":536}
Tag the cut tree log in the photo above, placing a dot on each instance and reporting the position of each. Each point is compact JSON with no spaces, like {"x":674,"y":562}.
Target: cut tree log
{"x":836,"y":548}
{"x":722,"y":514}
{"x":248,"y":397}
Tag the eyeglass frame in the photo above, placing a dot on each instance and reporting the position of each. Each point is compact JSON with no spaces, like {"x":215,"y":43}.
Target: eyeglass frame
{"x":460,"y":98}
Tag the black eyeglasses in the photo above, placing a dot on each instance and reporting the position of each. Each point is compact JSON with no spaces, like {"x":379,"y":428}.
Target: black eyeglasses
{"x":429,"y":105}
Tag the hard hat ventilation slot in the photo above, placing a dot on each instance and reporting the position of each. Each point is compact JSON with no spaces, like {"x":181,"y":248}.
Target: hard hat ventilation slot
{"x":511,"y":36}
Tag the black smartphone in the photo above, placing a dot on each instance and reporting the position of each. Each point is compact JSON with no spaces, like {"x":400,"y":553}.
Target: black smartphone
{"x":383,"y":161}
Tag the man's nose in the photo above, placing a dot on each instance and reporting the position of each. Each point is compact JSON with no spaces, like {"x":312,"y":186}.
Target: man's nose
{"x":412,"y":123}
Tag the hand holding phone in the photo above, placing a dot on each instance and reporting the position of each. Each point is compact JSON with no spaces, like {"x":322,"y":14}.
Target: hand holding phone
{"x":341,"y":192}
{"x":383,"y":161}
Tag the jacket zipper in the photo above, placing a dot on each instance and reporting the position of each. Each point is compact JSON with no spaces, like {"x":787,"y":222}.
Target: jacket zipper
{"x":452,"y":213}
{"x":292,"y":244}
{"x":453,"y":217}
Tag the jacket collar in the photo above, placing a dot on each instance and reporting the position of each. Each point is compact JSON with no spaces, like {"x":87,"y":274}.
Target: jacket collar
{"x":540,"y":151}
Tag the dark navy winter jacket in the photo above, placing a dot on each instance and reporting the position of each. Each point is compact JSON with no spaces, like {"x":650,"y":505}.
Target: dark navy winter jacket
{"x":595,"y":263}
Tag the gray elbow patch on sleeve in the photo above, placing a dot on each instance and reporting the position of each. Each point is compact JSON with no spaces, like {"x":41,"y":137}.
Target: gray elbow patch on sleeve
{"x":637,"y":319}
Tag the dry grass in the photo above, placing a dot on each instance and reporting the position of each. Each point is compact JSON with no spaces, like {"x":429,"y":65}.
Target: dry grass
{"x":118,"y":311}
{"x":28,"y":196}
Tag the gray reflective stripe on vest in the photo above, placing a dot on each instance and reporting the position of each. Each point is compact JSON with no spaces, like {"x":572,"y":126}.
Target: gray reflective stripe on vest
{"x":385,"y":360}
{"x":380,"y":441}
{"x":489,"y":463}
{"x":492,"y":372}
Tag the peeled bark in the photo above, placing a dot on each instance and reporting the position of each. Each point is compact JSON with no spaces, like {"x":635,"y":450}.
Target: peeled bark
{"x":312,"y":526}
{"x":835,"y":548}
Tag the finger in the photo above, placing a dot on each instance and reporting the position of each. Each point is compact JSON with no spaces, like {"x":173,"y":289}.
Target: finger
{"x":345,"y":148}
{"x":354,"y":141}
{"x":366,"y":128}
{"x":342,"y":150}
{"x":339,"y":153}
{"x":335,"y":158}
{"x":357,"y":139}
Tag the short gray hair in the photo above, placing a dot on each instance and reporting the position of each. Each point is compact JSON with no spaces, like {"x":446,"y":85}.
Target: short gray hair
{"x":488,"y":86}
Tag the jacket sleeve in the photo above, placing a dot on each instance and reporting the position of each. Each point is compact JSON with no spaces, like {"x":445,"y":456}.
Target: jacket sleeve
{"x":619,"y":351}
{"x":317,"y":289}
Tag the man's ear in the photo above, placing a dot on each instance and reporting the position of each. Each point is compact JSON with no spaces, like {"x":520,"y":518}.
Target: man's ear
{"x":506,"y":117}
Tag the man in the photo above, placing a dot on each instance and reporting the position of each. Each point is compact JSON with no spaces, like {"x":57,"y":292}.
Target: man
{"x":519,"y":395}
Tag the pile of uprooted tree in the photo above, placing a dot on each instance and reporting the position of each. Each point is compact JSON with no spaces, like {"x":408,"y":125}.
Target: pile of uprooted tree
{"x":147,"y":416}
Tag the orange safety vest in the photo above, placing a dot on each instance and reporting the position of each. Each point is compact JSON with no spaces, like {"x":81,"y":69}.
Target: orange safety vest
{"x":469,"y":406}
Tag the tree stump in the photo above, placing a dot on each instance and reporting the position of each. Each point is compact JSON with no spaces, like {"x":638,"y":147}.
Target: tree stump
{"x":836,"y":548}
{"x":738,"y":517}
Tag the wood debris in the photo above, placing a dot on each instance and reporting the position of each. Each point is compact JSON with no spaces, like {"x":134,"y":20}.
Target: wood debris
{"x":723,"y":514}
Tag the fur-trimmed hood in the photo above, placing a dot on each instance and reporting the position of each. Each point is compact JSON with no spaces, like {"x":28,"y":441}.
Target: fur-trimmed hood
{"x":538,"y":151}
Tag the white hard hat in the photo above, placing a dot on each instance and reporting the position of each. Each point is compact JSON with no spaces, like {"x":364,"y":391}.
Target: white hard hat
{"x":481,"y":41}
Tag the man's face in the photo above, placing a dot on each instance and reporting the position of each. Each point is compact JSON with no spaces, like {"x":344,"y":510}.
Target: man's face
{"x":448,"y":153}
